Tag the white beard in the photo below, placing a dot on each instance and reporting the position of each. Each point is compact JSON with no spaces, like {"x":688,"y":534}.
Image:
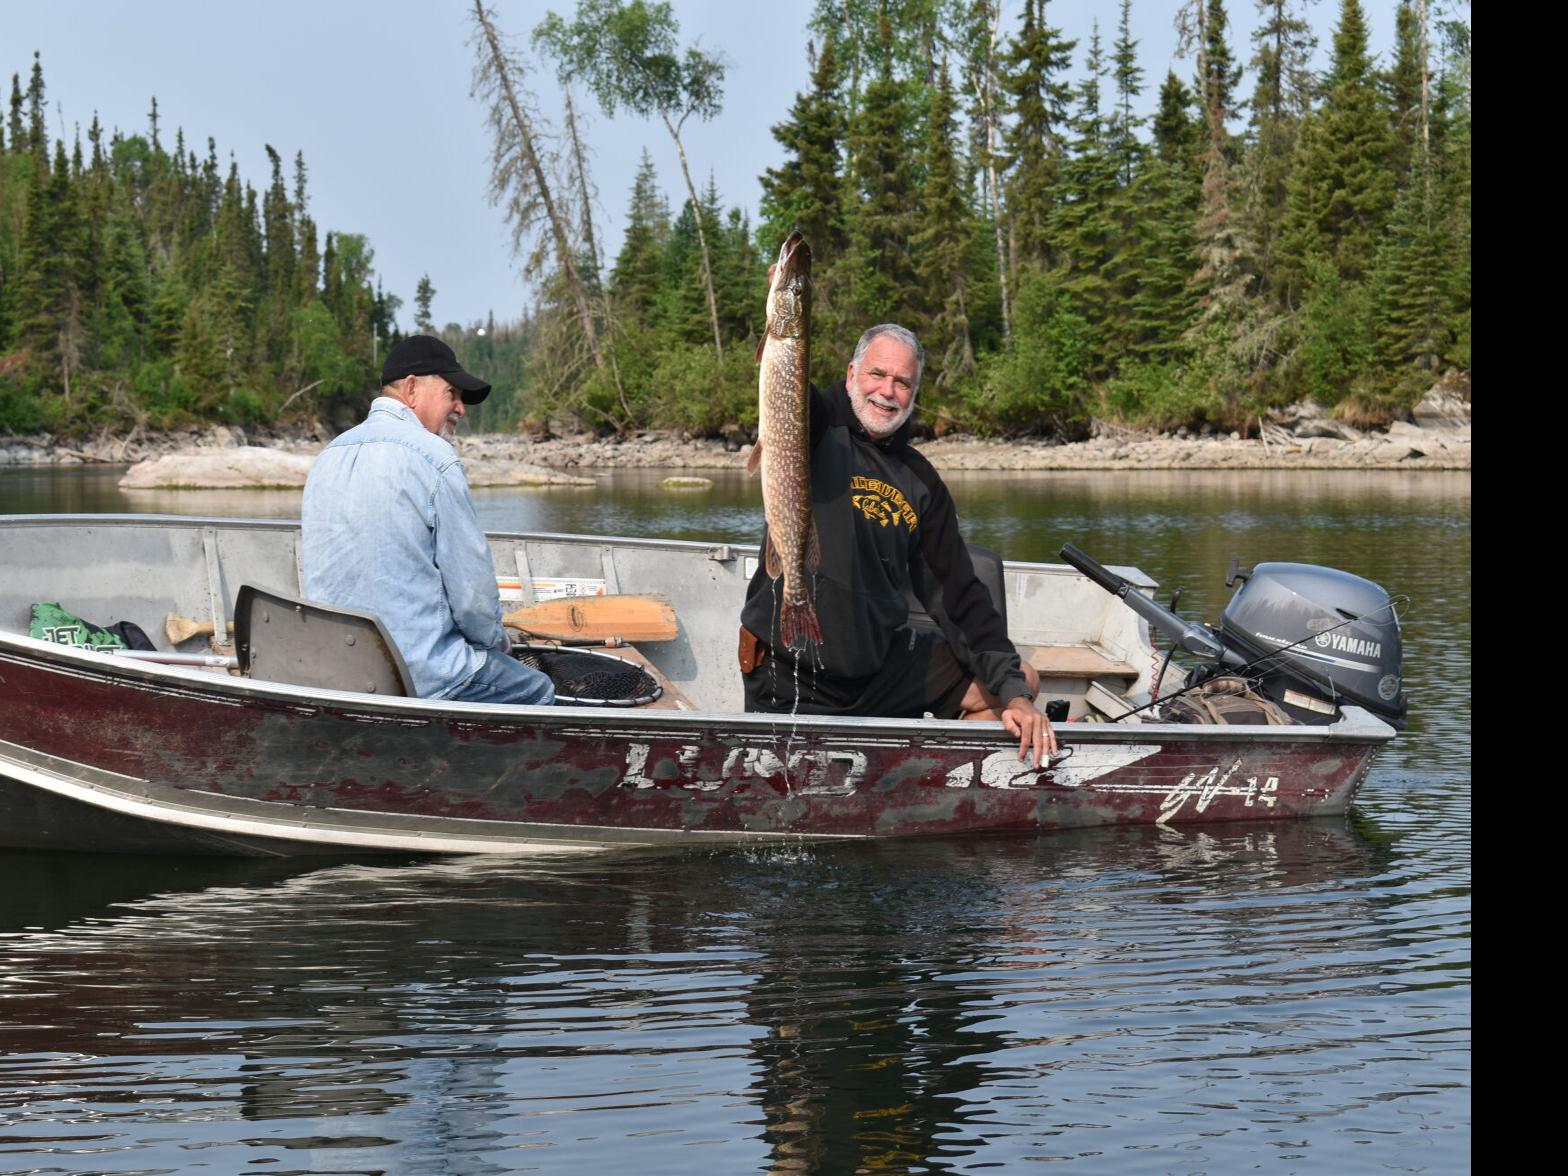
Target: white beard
{"x":874,"y":423}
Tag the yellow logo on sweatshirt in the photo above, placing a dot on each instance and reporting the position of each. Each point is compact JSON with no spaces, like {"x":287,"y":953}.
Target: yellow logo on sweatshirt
{"x":882,"y":502}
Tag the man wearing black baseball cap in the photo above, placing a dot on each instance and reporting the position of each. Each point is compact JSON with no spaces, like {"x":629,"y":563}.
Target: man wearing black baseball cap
{"x":424,"y":374}
{"x":425,"y":355}
{"x":389,"y":527}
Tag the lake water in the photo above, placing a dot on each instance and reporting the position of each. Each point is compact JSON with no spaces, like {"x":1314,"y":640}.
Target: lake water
{"x":1290,"y":998}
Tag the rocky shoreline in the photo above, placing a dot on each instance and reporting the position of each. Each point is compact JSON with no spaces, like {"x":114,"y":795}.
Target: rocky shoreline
{"x":1303,"y":437}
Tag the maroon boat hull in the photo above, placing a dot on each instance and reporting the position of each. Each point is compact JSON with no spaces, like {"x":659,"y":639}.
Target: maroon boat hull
{"x":105,"y":756}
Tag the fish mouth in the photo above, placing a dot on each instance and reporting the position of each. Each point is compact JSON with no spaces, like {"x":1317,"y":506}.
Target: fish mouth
{"x":794,"y":257}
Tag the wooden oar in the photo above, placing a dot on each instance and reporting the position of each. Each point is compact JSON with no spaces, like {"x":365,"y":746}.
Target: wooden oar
{"x":594,"y":618}
{"x":178,"y":628}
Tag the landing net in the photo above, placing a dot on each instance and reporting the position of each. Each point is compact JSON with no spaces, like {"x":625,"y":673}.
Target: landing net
{"x":585,"y":678}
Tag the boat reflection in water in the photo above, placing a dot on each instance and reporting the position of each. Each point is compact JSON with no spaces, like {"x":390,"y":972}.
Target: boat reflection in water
{"x":888,"y":1006}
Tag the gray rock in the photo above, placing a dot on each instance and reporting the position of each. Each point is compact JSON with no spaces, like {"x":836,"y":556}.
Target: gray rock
{"x":1405,"y":431}
{"x":248,"y":467}
{"x":1302,"y":410}
{"x":1316,"y":428}
{"x":1329,"y":428}
{"x":223,"y":437}
{"x":1440,"y":408}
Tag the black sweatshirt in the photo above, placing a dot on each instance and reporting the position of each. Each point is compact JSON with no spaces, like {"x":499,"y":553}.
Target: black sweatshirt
{"x":886,"y":523}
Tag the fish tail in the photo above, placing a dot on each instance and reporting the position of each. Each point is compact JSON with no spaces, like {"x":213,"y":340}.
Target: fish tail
{"x":798,"y":625}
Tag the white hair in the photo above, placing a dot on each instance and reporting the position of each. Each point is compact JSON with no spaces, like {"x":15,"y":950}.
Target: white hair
{"x":899,"y":335}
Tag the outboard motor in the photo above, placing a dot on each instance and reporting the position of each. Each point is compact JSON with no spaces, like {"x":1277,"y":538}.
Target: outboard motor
{"x":1337,"y":637}
{"x":1310,"y":637}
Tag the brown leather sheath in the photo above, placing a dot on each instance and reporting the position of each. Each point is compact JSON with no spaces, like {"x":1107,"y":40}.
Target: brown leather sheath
{"x":750,"y":651}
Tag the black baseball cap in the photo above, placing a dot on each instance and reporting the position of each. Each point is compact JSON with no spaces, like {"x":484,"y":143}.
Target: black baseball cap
{"x":425,"y":355}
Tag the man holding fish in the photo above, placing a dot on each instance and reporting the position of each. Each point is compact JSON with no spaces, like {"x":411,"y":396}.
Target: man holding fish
{"x":855,"y":517}
{"x":389,"y":527}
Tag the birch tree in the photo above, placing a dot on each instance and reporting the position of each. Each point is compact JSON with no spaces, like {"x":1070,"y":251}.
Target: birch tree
{"x":629,"y":56}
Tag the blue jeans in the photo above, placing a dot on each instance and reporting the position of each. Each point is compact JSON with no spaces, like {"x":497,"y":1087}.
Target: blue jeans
{"x":504,"y":679}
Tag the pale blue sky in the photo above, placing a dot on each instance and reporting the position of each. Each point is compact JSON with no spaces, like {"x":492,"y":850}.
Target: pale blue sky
{"x":376,"y":94}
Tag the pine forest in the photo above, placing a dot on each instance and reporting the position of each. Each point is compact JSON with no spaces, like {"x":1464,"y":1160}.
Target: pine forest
{"x":1272,"y":232}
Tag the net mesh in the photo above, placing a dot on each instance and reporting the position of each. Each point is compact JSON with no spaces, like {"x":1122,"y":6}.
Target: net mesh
{"x":584,"y":677}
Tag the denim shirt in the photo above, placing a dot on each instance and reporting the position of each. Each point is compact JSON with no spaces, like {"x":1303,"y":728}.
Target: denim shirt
{"x":389,"y":527}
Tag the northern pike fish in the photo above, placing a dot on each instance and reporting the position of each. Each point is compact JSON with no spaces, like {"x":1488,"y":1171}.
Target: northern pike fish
{"x":783,"y":449}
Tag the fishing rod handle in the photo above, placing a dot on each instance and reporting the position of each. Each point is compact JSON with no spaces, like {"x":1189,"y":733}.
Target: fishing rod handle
{"x":1096,"y":571}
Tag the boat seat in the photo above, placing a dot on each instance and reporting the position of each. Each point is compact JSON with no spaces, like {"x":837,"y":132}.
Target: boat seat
{"x":284,"y":638}
{"x":988,"y":567}
{"x":1075,"y":661}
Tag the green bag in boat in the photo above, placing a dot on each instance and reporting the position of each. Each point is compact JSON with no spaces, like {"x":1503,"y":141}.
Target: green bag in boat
{"x":53,"y":623}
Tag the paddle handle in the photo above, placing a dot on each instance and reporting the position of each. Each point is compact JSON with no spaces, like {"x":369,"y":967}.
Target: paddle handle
{"x":178,"y":628}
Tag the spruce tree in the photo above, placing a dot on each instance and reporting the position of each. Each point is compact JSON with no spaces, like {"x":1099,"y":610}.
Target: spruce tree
{"x":120,"y":325}
{"x":878,"y":211}
{"x":1402,"y":86}
{"x":1122,"y":141}
{"x":942,"y":243}
{"x":740,"y":278}
{"x":1177,"y":139}
{"x":1030,"y":74}
{"x":806,"y":191}
{"x":634,"y":279}
{"x":308,"y":268}
{"x":1282,"y":44}
{"x":53,"y":309}
{"x":1408,"y":296}
{"x":424,"y":293}
{"x":1341,"y":189}
{"x":14,"y":122}
{"x":1160,"y":301}
{"x":977,"y":36}
{"x":278,"y":259}
{"x":37,"y":138}
{"x":681,"y":312}
{"x":1451,"y":138}
{"x":1083,"y":220}
{"x":1220,"y":72}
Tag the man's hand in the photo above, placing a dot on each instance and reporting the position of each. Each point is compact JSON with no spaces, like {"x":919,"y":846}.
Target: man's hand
{"x":1033,"y":730}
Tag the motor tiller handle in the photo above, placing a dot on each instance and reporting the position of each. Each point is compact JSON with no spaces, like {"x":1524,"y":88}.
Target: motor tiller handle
{"x":1096,"y":571}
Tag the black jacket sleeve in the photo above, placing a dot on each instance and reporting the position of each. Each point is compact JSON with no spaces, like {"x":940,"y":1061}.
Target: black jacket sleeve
{"x":945,"y":581}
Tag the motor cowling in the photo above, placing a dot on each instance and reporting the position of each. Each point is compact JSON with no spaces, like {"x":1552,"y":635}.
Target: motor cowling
{"x":1334,"y":638}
